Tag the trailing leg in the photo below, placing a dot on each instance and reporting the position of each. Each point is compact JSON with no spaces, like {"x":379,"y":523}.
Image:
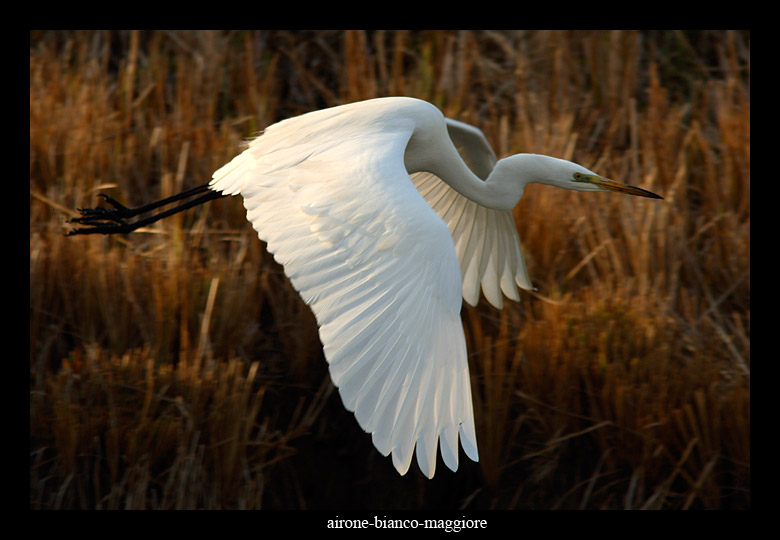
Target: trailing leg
{"x":103,"y":220}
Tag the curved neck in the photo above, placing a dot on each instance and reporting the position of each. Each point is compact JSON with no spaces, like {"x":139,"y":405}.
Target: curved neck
{"x":501,"y":191}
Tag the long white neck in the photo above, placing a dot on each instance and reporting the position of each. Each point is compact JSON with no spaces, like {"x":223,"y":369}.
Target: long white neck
{"x":501,"y":191}
{"x":504,"y":187}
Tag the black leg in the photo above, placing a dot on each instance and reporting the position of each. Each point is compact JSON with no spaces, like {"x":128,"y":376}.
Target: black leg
{"x":112,"y":220}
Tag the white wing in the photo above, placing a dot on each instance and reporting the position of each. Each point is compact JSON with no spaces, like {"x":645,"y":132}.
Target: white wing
{"x":329,"y":194}
{"x":486,"y":240}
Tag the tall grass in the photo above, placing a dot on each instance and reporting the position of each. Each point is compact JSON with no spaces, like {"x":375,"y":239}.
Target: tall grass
{"x":177,"y":368}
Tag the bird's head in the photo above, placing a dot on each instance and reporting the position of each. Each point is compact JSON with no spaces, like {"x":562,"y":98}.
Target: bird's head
{"x":588,"y":181}
{"x":534,"y":168}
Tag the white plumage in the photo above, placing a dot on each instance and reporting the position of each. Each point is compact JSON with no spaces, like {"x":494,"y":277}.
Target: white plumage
{"x":382,"y":227}
{"x":329,"y":193}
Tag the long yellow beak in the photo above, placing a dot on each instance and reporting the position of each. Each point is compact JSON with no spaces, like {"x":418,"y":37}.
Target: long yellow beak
{"x":609,"y":185}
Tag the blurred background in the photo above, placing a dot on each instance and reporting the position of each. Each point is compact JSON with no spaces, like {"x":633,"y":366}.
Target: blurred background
{"x":177,"y":368}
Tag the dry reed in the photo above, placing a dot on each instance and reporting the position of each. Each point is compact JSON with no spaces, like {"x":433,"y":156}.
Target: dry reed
{"x":177,"y":368}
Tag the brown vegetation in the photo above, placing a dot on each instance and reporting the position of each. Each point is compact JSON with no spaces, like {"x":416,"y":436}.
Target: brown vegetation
{"x":177,"y":368}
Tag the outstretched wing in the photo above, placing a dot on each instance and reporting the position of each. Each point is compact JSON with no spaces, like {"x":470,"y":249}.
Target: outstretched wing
{"x":486,"y":240}
{"x":329,"y":194}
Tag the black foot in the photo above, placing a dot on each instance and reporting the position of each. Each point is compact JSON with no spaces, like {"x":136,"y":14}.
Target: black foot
{"x":103,"y":220}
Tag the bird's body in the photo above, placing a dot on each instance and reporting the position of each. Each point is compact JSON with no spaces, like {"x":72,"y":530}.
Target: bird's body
{"x":330,"y":195}
{"x":382,"y":228}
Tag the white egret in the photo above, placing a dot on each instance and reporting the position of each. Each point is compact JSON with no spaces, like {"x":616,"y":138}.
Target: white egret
{"x":382,"y":227}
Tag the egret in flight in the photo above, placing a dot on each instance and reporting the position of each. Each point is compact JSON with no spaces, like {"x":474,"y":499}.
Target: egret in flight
{"x":384,"y":214}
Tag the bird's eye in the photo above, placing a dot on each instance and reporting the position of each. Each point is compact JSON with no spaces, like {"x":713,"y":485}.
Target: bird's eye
{"x":579,"y":177}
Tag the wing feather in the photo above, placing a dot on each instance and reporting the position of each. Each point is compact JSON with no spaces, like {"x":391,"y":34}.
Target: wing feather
{"x":331,"y":198}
